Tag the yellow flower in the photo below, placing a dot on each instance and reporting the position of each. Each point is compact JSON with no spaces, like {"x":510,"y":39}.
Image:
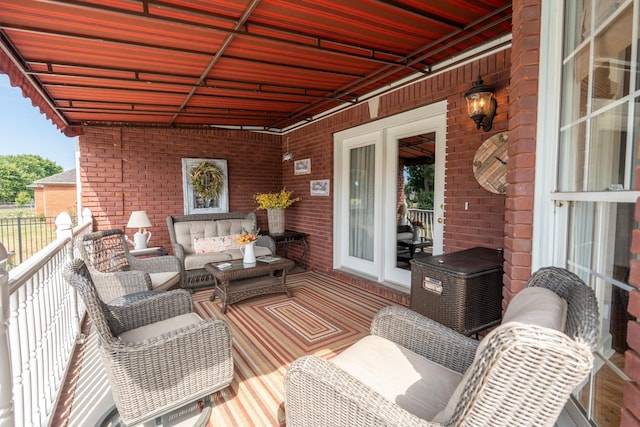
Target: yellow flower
{"x":281,"y":199}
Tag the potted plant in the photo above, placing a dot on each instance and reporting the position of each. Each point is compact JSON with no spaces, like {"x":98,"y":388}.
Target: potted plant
{"x":275,"y":204}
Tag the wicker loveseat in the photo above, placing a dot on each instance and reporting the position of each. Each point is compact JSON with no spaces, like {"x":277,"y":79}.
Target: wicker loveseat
{"x":413,"y":371}
{"x":184,"y":230}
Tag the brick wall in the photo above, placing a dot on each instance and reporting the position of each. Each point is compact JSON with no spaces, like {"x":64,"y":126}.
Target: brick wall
{"x":523,"y":104}
{"x":53,"y":199}
{"x":129,"y":169}
{"x":482,"y":224}
{"x":140,"y":168}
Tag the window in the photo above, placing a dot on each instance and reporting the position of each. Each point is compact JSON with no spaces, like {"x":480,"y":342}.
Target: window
{"x":595,"y":150}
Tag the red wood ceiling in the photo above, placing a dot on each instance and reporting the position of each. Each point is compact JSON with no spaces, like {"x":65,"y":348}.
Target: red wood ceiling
{"x":269,"y":64}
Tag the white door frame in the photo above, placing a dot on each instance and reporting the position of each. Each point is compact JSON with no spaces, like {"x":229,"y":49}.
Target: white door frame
{"x":386,"y":131}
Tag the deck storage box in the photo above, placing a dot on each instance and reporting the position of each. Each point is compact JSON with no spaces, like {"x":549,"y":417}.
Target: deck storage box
{"x":462,"y":290}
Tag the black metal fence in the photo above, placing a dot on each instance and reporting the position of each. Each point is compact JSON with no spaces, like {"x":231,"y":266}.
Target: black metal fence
{"x":24,"y":236}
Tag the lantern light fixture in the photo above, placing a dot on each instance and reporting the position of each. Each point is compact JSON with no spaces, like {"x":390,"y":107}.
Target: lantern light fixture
{"x":481,"y":104}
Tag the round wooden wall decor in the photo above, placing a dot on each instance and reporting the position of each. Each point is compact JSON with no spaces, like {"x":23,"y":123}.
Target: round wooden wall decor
{"x":490,"y":163}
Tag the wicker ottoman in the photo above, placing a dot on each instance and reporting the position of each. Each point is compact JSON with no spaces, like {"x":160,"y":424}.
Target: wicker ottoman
{"x":462,"y":290}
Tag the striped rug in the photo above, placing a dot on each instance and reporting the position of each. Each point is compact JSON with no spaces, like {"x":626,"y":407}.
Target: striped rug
{"x":323,"y":317}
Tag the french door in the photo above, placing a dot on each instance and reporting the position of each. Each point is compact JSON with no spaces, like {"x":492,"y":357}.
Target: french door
{"x":366,"y":192}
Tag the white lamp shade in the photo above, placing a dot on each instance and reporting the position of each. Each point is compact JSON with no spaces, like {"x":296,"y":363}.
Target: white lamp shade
{"x":138,"y":219}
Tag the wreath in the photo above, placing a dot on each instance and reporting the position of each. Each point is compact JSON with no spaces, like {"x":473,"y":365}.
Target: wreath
{"x":207,"y":180}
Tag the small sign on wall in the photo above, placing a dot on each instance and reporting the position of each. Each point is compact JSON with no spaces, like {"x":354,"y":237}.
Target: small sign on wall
{"x":302,"y":167}
{"x":319,"y":187}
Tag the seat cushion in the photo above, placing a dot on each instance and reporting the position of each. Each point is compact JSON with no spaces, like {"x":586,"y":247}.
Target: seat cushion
{"x":159,"y":328}
{"x":165,"y":280}
{"x":197,"y":261}
{"x":414,"y":383}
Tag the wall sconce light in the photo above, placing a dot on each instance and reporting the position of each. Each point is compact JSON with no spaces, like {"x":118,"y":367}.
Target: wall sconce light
{"x":481,"y":104}
{"x":140,"y":220}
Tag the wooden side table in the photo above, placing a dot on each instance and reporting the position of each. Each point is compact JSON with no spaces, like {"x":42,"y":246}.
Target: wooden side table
{"x":240,"y":282}
{"x":290,"y":236}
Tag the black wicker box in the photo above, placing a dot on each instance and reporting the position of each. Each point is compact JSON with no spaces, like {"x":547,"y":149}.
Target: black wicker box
{"x":462,"y":290}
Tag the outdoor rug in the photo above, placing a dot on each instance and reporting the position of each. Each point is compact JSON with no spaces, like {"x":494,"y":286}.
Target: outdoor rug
{"x":323,"y":317}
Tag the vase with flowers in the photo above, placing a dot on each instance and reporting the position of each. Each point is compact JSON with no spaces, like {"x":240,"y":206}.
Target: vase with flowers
{"x":247,"y":242}
{"x":417,"y":226}
{"x":275,"y":204}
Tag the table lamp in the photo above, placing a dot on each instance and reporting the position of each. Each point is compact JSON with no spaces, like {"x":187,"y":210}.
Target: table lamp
{"x":140,"y":220}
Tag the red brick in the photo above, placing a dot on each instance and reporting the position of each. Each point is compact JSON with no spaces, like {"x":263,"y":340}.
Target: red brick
{"x":635,"y":241}
{"x":634,"y":303}
{"x":632,"y":365}
{"x":631,"y":398}
{"x":633,"y":335}
{"x":628,"y":420}
{"x":634,"y":272}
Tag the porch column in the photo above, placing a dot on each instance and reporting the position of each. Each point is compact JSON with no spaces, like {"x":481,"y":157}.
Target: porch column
{"x":6,"y":391}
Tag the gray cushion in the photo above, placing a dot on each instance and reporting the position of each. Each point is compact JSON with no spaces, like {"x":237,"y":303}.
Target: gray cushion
{"x":187,"y":231}
{"x":164,"y":281}
{"x":415,"y":383}
{"x":537,"y":306}
{"x":159,"y":328}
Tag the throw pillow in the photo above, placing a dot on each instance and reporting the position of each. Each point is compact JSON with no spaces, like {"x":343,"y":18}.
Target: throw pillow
{"x":205,"y":245}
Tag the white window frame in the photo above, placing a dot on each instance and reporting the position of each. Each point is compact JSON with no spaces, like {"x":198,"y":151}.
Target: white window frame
{"x":551,"y":207}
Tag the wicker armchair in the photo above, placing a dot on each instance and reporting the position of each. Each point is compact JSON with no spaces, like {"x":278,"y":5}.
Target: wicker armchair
{"x":521,"y":373}
{"x":158,"y":354}
{"x":116,"y":273}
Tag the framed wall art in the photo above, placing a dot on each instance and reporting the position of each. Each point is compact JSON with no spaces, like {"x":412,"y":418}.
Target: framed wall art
{"x":302,"y":167}
{"x":319,"y":187}
{"x":205,"y":185}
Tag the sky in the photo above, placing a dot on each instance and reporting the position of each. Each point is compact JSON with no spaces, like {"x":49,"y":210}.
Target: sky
{"x":23,"y":130}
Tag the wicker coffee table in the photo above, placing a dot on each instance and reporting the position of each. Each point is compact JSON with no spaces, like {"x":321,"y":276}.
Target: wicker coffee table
{"x":237,"y":283}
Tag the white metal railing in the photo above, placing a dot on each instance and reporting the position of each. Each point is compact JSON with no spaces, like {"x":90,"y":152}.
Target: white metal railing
{"x":39,"y":322}
{"x":425,"y":216}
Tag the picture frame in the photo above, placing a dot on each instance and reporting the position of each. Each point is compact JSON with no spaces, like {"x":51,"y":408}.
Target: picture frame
{"x":319,"y":187}
{"x":193,"y":203}
{"x":302,"y":167}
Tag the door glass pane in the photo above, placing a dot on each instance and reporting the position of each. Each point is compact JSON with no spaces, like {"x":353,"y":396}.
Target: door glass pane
{"x":607,"y":151}
{"x":599,"y":242}
{"x":361,"y":202}
{"x":571,"y":157}
{"x":575,"y":79}
{"x":612,"y":61}
{"x":416,"y":184}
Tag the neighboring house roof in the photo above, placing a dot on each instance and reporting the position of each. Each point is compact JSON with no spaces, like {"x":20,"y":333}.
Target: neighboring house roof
{"x":62,"y":178}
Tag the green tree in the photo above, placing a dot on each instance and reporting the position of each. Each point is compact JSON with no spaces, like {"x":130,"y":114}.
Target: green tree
{"x":23,"y":198}
{"x":419,"y":187}
{"x":18,"y":171}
